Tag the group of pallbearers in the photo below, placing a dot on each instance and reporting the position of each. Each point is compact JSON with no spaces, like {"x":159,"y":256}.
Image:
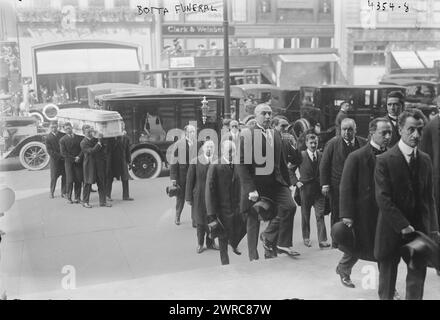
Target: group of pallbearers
{"x":82,"y":161}
{"x":384,"y":192}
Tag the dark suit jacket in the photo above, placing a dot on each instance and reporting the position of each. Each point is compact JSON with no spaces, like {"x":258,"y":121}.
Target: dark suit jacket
{"x":333,"y":159}
{"x":249,"y":180}
{"x":90,"y":149}
{"x":222,"y":197}
{"x":119,"y":157}
{"x":71,"y":148}
{"x":431,"y":145}
{"x":357,"y":199}
{"x":178,"y":170}
{"x":396,"y":200}
{"x":195,"y":191}
{"x":396,"y":135}
{"x":53,"y":149}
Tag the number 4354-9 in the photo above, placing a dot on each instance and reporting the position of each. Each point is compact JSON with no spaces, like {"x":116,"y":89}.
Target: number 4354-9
{"x":383,"y":6}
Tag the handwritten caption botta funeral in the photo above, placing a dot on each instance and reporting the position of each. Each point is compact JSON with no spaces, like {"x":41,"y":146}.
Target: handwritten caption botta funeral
{"x":178,"y":9}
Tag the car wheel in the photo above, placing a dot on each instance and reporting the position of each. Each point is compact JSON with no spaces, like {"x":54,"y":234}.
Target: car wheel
{"x":145,"y":164}
{"x":33,"y":156}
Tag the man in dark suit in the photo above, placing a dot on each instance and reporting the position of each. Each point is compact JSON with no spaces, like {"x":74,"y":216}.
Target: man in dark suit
{"x":195,"y":194}
{"x":119,"y":158}
{"x":342,"y":114}
{"x":358,"y":208}
{"x":332,"y":163}
{"x":395,"y":103}
{"x":71,"y":151}
{"x":222,"y":197}
{"x":308,"y":184}
{"x":431,"y":145}
{"x":56,"y":159}
{"x":186,"y":149}
{"x":94,"y":166}
{"x":263,"y":172}
{"x":405,"y":197}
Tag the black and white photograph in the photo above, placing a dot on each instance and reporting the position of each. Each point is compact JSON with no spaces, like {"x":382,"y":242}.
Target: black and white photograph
{"x":231,"y":151}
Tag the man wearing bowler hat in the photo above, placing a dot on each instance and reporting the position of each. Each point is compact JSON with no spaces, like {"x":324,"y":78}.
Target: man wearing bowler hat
{"x":357,"y":203}
{"x":267,"y":176}
{"x":405,"y":197}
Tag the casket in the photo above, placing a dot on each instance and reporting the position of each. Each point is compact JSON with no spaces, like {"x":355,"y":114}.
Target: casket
{"x":109,"y":123}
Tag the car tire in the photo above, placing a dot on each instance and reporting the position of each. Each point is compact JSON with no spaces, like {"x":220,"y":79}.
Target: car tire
{"x":145,"y":164}
{"x":33,"y":156}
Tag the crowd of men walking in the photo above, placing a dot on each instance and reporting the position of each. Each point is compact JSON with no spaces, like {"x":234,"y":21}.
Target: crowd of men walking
{"x":82,"y":161}
{"x":383,"y":192}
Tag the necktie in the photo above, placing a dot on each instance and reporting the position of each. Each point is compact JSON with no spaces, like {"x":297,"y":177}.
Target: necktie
{"x":314,"y":157}
{"x":412,"y":162}
{"x":269,"y":137}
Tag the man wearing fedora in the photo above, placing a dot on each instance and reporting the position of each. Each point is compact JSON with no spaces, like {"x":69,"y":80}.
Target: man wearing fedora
{"x":178,"y":170}
{"x":335,"y":153}
{"x":405,"y":197}
{"x":358,"y":208}
{"x":268,"y":177}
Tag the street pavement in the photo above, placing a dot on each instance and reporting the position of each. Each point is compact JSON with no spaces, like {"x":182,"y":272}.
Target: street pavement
{"x":135,"y":251}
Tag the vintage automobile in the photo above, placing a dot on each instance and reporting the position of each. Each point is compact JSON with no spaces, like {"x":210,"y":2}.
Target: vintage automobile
{"x":421,"y":94}
{"x":85,"y":98}
{"x":151,"y":113}
{"x":22,"y":137}
{"x":321,"y":104}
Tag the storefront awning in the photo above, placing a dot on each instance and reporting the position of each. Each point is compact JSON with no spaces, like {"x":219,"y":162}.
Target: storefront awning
{"x":407,"y":60}
{"x":327,"y":57}
{"x":87,"y":60}
{"x":428,"y":57}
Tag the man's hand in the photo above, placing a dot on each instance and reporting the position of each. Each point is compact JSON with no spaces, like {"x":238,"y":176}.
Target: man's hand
{"x":253,"y":196}
{"x":325,"y":190}
{"x":299,"y":184}
{"x":174,"y":183}
{"x":408,"y":230}
{"x":348,"y":222}
{"x":76,"y":159}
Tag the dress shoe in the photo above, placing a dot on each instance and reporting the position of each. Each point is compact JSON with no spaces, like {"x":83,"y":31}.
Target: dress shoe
{"x":334,"y":245}
{"x":288,"y":251}
{"x":266,"y":245}
{"x":128,"y":199}
{"x":323,"y":245}
{"x":77,"y":201}
{"x":86,"y":205}
{"x":396,"y":296}
{"x":51,"y":196}
{"x":109,"y":199}
{"x":345,"y":279}
{"x":63,"y":195}
{"x":177,"y":221}
{"x":69,"y":201}
{"x":236,"y":251}
{"x":213,"y":246}
{"x":108,"y":205}
{"x":307,"y":243}
{"x":199,"y":249}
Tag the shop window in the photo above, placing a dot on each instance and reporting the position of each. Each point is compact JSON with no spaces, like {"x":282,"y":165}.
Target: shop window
{"x":369,"y":59}
{"x":325,"y":6}
{"x":264,"y":43}
{"x":324,"y":42}
{"x":436,"y":11}
{"x":195,"y":44}
{"x":239,"y":11}
{"x":287,"y":43}
{"x":305,"y":42}
{"x":97,"y":3}
{"x":264,"y":10}
{"x":289,"y":15}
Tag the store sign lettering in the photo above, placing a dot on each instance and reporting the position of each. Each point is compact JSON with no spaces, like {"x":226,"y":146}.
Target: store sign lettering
{"x":194,"y":29}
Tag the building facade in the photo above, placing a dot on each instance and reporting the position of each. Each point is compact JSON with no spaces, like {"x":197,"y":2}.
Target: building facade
{"x":374,"y":40}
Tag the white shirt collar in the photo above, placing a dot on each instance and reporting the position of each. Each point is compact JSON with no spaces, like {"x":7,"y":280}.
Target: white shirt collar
{"x":375,"y":145}
{"x":392,"y":118}
{"x":310,"y":153}
{"x":352,"y":141}
{"x":406,"y":150}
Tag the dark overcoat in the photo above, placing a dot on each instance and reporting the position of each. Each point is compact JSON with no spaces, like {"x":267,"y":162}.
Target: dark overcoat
{"x":396,"y":199}
{"x":53,"y":149}
{"x":119,"y":157}
{"x":431,"y":145}
{"x":395,"y":136}
{"x":90,"y":149}
{"x":70,"y":148}
{"x":357,"y":199}
{"x":222,"y":197}
{"x":179,"y":169}
{"x":249,"y":180}
{"x":333,"y":159}
{"x":195,"y":192}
